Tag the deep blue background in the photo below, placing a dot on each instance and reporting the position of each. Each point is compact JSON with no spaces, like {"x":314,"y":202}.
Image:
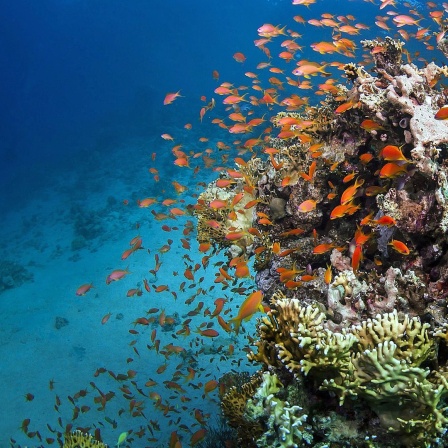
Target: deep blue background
{"x":78,"y":72}
{"x":78,"y":75}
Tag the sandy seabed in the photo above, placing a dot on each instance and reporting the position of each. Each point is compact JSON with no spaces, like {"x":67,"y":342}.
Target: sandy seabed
{"x":47,"y":333}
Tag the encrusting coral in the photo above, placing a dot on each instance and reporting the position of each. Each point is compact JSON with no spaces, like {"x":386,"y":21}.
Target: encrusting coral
{"x":225,"y":214}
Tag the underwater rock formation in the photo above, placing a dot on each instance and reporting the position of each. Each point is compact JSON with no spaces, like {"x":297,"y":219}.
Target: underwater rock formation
{"x":12,"y":275}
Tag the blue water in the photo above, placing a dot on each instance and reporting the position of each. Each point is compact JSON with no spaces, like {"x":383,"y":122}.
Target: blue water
{"x":82,"y":89}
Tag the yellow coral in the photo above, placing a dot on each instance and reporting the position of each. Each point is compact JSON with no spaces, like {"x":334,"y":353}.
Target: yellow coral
{"x":78,"y":439}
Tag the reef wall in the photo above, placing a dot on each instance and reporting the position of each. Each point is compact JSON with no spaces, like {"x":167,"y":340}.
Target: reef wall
{"x":348,"y":234}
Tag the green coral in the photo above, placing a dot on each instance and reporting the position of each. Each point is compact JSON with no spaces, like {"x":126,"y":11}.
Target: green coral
{"x":285,"y":424}
{"x":384,"y":361}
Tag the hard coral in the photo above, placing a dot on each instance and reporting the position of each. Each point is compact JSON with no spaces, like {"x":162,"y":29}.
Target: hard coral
{"x":234,"y":404}
{"x":214,"y":223}
{"x":262,"y":417}
{"x":383,"y":361}
{"x":78,"y":439}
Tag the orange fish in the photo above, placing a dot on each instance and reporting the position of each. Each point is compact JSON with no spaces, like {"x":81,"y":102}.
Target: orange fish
{"x":385,"y":220}
{"x":400,"y":247}
{"x":267,"y":30}
{"x":344,"y":107}
{"x":356,"y":257}
{"x":251,"y":305}
{"x":219,"y":303}
{"x":175,"y":441}
{"x":182,"y":162}
{"x":349,"y":177}
{"x":382,"y":24}
{"x":309,"y":176}
{"x":391,"y":152}
{"x":366,"y":219}
{"x":170,"y":97}
{"x":344,"y":209}
{"x":307,"y":69}
{"x":217,"y":204}
{"x":442,"y":113}
{"x":322,"y":248}
{"x":239,"y":57}
{"x":288,"y":274}
{"x":392,"y":170}
{"x":233,"y":99}
{"x":83,"y":289}
{"x":373,"y":190}
{"x":116,"y":275}
{"x":146,"y":202}
{"x":224,"y":325}
{"x":328,"y":275}
{"x":365,"y":158}
{"x":242,"y":270}
{"x":178,"y":187}
{"x":234,"y":236}
{"x":351,"y":191}
{"x":209,"y":332}
{"x":360,"y":237}
{"x":307,"y":206}
{"x":106,"y":318}
{"x":370,"y":125}
{"x":402,"y":20}
{"x":291,"y":233}
{"x":210,"y":386}
{"x":197,"y":437}
{"x":204,"y":247}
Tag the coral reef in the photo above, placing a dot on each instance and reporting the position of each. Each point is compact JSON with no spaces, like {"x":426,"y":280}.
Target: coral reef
{"x":78,"y":439}
{"x":349,"y":237}
{"x":385,"y":362}
{"x":263,"y":418}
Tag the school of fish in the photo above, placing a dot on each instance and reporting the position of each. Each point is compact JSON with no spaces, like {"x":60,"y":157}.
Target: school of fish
{"x":180,"y":349}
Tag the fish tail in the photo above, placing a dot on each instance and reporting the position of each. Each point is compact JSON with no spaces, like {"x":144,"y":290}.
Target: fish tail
{"x":236,"y":324}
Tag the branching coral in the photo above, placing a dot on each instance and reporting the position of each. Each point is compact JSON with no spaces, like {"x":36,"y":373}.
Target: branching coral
{"x":380,"y":361}
{"x":78,"y":439}
{"x":263,"y":418}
